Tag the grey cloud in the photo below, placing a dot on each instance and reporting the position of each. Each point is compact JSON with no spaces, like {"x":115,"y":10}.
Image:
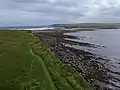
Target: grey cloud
{"x":39,"y":12}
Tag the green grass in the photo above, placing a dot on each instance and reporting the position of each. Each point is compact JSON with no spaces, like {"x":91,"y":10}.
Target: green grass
{"x":27,"y":64}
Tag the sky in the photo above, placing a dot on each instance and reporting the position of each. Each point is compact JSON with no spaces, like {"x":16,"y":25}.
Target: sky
{"x":44,"y":12}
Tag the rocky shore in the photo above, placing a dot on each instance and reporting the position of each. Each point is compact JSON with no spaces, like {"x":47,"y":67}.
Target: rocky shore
{"x":84,"y":62}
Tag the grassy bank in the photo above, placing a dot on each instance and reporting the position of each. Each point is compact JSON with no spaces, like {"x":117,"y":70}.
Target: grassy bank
{"x":27,"y":64}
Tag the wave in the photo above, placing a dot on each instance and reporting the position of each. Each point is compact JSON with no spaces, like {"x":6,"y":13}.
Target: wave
{"x":45,"y":28}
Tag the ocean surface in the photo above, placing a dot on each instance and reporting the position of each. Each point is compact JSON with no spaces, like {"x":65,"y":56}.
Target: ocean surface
{"x":108,"y":48}
{"x":27,"y":28}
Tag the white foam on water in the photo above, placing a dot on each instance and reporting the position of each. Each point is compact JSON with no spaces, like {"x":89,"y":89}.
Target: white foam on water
{"x":31,"y":28}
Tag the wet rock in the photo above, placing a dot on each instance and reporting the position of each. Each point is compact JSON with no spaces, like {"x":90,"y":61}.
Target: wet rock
{"x":83,"y":62}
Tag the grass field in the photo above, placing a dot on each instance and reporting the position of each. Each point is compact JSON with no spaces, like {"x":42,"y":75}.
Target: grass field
{"x":27,"y":64}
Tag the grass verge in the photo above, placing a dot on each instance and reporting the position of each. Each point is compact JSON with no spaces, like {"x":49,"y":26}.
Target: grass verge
{"x":27,"y":64}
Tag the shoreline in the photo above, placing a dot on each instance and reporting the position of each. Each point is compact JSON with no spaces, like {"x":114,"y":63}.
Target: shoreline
{"x":91,"y":70}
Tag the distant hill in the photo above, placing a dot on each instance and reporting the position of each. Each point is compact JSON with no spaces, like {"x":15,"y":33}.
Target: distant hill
{"x":89,"y":25}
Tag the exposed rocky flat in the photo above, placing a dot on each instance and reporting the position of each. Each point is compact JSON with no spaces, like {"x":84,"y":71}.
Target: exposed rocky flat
{"x":84,"y":62}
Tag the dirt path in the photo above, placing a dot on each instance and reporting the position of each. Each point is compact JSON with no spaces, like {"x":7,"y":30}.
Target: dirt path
{"x":53,"y":87}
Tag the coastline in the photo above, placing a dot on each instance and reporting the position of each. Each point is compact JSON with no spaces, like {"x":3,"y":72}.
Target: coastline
{"x":79,"y":60}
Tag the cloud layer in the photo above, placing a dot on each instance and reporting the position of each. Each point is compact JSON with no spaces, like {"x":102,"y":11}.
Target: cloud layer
{"x":41,"y":12}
